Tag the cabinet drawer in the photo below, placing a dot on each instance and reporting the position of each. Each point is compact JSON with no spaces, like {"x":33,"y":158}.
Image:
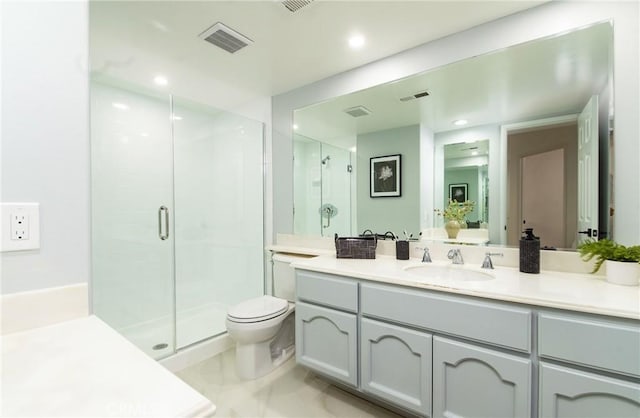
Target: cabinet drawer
{"x":494,"y":323}
{"x":327,"y":290}
{"x":602,"y":343}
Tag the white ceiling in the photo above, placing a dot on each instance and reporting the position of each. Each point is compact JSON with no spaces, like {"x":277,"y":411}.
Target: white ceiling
{"x":544,"y":78}
{"x":135,"y":40}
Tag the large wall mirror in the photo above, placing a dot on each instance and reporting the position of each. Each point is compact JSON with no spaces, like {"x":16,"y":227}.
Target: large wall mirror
{"x":512,"y":125}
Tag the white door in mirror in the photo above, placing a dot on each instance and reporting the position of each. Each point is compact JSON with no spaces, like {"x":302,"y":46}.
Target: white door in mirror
{"x":19,"y":226}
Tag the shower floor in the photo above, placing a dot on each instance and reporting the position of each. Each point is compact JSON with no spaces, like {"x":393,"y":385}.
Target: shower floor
{"x":193,"y":325}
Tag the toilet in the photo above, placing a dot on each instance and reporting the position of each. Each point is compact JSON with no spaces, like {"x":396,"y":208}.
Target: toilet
{"x":263,"y":327}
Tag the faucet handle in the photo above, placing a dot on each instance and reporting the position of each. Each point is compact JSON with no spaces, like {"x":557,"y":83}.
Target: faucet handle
{"x":487,"y":263}
{"x":426,"y":257}
{"x":455,"y":256}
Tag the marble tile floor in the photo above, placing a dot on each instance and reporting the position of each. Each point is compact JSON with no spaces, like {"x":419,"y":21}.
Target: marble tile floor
{"x":289,"y":391}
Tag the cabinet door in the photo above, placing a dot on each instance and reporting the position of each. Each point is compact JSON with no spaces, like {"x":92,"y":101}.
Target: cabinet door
{"x":395,"y":365}
{"x":326,"y":341}
{"x":571,"y":393}
{"x":470,"y":381}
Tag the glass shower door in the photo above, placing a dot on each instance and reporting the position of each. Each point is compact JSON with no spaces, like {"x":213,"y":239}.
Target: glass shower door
{"x":132,"y":205}
{"x":219,"y":217}
{"x":335,"y":211}
{"x":307,"y":186}
{"x":323,"y":178}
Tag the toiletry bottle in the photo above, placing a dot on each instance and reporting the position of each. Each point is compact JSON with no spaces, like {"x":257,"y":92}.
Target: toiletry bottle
{"x":529,"y":252}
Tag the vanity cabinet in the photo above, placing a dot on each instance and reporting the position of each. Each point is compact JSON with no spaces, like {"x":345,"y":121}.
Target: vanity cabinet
{"x":395,"y":365}
{"x":472,"y":381}
{"x":438,"y":354}
{"x":608,"y":349}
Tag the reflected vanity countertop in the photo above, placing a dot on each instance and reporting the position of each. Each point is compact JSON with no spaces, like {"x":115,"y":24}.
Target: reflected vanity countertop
{"x":82,"y":367}
{"x":292,"y":249}
{"x":570,"y":291}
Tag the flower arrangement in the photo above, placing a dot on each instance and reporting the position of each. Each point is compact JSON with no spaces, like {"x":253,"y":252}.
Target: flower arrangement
{"x":456,"y":211}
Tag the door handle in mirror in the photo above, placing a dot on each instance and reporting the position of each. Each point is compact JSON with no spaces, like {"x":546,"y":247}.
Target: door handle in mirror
{"x":589,"y":232}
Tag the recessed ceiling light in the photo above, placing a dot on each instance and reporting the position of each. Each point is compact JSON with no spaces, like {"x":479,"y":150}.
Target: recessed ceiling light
{"x":460,"y":122}
{"x":175,"y":117}
{"x":120,"y":106}
{"x":160,"y":80}
{"x":356,"y":41}
{"x":295,"y":127}
{"x":353,"y":149}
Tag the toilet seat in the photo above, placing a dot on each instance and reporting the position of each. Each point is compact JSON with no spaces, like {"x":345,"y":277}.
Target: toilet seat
{"x":257,"y":309}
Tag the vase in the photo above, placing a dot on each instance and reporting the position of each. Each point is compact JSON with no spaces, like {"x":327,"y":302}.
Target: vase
{"x":626,"y":273}
{"x":452,"y":227}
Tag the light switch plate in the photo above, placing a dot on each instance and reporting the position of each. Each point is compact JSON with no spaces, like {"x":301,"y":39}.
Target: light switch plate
{"x":19,"y":226}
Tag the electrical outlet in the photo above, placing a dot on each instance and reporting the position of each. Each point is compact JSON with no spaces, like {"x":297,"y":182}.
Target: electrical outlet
{"x":19,"y":226}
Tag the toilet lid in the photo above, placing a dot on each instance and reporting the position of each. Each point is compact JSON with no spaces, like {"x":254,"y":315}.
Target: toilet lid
{"x":258,"y":309}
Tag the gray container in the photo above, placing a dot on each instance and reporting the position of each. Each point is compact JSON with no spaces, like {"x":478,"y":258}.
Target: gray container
{"x":402,"y":250}
{"x":529,"y":252}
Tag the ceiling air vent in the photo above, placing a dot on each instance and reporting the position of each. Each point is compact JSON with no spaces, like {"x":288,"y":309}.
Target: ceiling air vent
{"x":358,"y":111}
{"x":226,"y":38}
{"x":295,"y":5}
{"x":415,"y":96}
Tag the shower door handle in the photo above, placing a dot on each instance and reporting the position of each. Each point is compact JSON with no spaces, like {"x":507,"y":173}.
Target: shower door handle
{"x":163,"y":211}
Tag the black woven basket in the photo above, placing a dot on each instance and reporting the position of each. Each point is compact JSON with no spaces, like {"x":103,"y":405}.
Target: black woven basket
{"x":356,"y":247}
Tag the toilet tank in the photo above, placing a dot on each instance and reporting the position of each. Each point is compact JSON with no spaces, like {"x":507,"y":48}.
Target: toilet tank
{"x":284,"y":280}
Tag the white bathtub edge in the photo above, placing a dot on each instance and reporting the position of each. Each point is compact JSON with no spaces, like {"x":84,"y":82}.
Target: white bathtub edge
{"x":38,"y":308}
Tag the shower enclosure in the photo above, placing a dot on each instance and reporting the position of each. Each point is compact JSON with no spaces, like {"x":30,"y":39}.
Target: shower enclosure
{"x":177,"y":215}
{"x":324,"y":177}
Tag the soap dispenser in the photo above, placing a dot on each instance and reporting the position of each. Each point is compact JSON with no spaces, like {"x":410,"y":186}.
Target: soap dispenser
{"x":529,"y":252}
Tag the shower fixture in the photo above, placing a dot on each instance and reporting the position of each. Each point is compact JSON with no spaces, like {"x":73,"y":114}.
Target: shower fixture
{"x":325,"y":160}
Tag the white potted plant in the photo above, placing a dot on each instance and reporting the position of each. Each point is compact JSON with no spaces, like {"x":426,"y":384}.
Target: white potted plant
{"x":621,"y":262}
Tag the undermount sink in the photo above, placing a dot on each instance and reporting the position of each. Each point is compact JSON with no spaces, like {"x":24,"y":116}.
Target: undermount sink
{"x":458,"y":273}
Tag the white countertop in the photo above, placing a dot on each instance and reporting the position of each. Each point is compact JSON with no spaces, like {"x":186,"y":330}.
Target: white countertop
{"x":572,"y":291}
{"x":84,"y":368}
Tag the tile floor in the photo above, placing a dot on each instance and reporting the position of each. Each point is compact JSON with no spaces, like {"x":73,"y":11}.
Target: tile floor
{"x":289,"y":391}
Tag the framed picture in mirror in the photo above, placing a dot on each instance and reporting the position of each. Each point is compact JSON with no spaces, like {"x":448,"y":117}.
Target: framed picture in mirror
{"x":458,"y":192}
{"x":385,"y":176}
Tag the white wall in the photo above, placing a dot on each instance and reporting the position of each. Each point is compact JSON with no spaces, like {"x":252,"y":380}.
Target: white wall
{"x":45,"y":140}
{"x":545,"y":20}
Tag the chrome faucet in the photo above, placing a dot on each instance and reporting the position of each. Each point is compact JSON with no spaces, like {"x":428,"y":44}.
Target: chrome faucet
{"x":487,"y":263}
{"x":455,"y":256}
{"x":426,"y":257}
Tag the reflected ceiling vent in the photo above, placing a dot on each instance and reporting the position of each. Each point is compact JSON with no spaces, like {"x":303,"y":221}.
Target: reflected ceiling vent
{"x":295,"y":5}
{"x":225,"y":38}
{"x":358,"y":111}
{"x":415,"y":96}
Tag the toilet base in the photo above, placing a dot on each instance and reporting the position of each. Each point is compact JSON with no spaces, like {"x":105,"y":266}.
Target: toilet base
{"x":275,"y":344}
{"x":255,"y":360}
